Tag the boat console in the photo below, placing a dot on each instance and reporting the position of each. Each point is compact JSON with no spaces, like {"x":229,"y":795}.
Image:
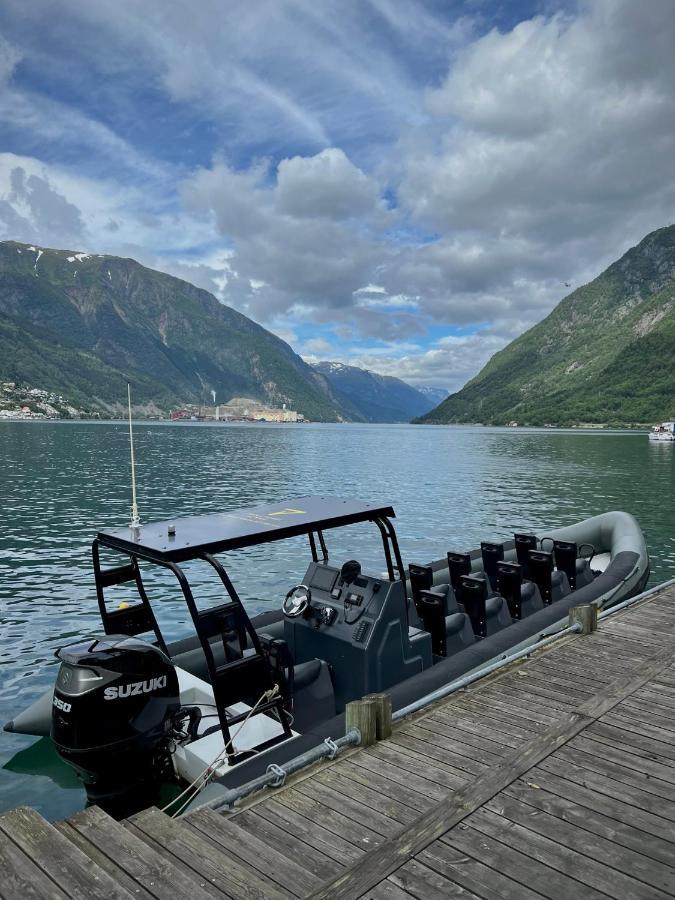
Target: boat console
{"x":358,"y":624}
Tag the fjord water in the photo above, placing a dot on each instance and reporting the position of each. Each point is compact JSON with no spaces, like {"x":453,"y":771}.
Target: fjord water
{"x":451,"y":488}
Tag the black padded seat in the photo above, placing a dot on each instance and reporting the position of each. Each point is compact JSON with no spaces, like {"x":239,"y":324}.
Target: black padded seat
{"x":488,"y":614}
{"x":458,"y":633}
{"x":522,"y":598}
{"x":524,"y":543}
{"x":313,"y":694}
{"x":553,"y":585}
{"x":458,"y":564}
{"x":584,"y":573}
{"x":492,"y":555}
{"x":450,"y":604}
{"x":530,"y":599}
{"x":449,"y":633}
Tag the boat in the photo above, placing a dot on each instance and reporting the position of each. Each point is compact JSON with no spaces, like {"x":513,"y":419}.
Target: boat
{"x":131,"y":711}
{"x":663,"y":432}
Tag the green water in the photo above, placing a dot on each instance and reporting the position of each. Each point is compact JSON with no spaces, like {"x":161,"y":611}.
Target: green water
{"x":450,"y":487}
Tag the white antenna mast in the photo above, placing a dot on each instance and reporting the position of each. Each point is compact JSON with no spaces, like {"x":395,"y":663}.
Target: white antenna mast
{"x":135,"y":521}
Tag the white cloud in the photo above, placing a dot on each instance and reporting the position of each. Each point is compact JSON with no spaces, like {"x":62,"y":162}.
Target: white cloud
{"x":327,"y":185}
{"x":10,"y":56}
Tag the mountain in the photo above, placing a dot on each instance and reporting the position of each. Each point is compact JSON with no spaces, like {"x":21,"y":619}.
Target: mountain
{"x":83,"y":325}
{"x":605,"y":354}
{"x":378,"y":398}
{"x":435,"y":395}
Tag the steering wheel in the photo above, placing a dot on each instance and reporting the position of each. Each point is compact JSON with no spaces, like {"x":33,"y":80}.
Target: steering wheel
{"x":297,"y":601}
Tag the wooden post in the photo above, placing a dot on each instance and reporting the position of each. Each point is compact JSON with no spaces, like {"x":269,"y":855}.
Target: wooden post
{"x":586,"y":616}
{"x":362,"y":714}
{"x":383,"y":714}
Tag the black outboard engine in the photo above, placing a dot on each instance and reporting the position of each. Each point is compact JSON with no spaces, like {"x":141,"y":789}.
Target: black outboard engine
{"x":114,"y":702}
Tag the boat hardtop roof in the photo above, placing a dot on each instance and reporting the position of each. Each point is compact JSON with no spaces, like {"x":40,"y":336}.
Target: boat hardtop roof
{"x":218,"y":532}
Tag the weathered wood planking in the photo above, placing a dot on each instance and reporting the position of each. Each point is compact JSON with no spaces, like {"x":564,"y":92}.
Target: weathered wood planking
{"x":554,"y":778}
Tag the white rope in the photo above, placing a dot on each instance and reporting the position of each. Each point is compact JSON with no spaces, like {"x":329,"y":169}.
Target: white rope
{"x":207,"y":773}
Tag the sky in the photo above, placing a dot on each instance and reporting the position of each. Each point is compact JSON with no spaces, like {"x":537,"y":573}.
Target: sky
{"x":404,"y":185}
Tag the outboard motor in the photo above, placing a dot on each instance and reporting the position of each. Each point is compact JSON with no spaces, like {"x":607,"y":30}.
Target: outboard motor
{"x":114,"y":703}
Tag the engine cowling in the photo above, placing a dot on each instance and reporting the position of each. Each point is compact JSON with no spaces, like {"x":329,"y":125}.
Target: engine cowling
{"x":114,"y":702}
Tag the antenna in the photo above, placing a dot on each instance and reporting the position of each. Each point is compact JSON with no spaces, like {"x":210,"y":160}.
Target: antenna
{"x":135,"y":521}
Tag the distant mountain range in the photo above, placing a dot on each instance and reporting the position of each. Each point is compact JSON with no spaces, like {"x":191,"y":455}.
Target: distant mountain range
{"x":379,"y":398}
{"x":606,"y":354}
{"x":84,"y":325}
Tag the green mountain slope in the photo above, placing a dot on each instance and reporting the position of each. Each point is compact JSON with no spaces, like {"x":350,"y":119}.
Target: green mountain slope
{"x":605,"y":354}
{"x":85,"y":325}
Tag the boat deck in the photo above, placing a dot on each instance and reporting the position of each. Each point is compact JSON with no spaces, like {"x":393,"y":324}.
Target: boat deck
{"x":554,"y":777}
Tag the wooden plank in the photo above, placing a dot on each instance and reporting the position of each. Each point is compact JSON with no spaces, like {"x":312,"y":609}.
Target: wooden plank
{"x":234,"y":878}
{"x":503,"y":712}
{"x":372,"y":762}
{"x":601,"y":795}
{"x":313,"y":832}
{"x":617,"y":772}
{"x":65,"y":864}
{"x":516,"y":866}
{"x":467,"y":722}
{"x":463,"y":745}
{"x":521,"y":702}
{"x":387,"y":890}
{"x":381,"y":862}
{"x":315,"y":862}
{"x":631,"y":869}
{"x":650,"y":711}
{"x":597,"y":879}
{"x":382,"y":795}
{"x":355,"y":810}
{"x":149,"y":869}
{"x":442,"y":777}
{"x":433,"y":752}
{"x":649,"y":695}
{"x":423,"y":882}
{"x":332,"y":821}
{"x":117,"y":873}
{"x":606,"y":733}
{"x":290,"y":874}
{"x":456,"y":860}
{"x":21,"y":879}
{"x":459,"y":756}
{"x":619,"y":790}
{"x":592,"y":817}
{"x":622,"y":719}
{"x":471,"y":738}
{"x":541,"y":690}
{"x":629,"y":757}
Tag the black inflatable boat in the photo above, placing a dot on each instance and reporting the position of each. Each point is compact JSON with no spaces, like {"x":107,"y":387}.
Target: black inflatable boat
{"x":130,"y":713}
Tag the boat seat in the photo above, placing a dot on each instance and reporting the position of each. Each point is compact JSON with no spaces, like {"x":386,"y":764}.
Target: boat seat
{"x":584,"y":572}
{"x":570,"y":559}
{"x":524,"y":543}
{"x":450,"y":604}
{"x":522,"y":598}
{"x":488,"y":614}
{"x":553,"y":585}
{"x":421,"y":579}
{"x":449,"y":633}
{"x":492,"y":555}
{"x":458,"y":564}
{"x":313,"y":694}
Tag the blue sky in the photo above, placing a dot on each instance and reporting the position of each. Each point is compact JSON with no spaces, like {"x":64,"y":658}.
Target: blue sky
{"x":402,"y":185}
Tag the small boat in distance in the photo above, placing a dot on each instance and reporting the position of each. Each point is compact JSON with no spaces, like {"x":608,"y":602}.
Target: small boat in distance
{"x":663,"y":432}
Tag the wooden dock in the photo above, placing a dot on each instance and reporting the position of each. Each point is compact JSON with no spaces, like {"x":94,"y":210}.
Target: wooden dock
{"x":552,"y":778}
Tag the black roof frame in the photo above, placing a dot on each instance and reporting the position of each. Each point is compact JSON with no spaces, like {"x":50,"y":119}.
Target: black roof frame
{"x":259,"y":525}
